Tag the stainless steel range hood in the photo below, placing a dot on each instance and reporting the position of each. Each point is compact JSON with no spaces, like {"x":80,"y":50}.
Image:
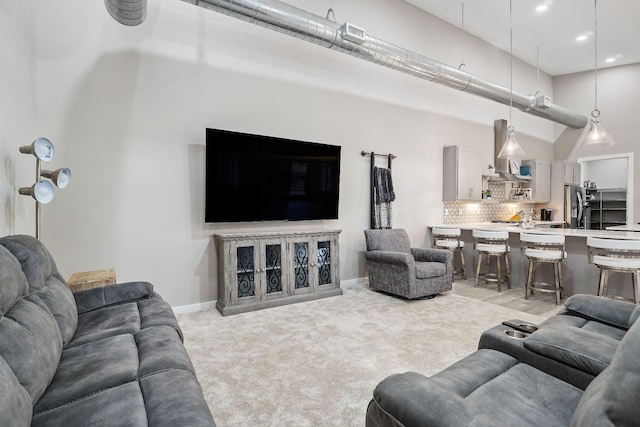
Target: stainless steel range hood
{"x":502,"y":165}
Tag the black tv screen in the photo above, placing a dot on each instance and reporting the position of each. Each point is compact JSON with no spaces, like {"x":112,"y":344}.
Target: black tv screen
{"x":262,"y":178}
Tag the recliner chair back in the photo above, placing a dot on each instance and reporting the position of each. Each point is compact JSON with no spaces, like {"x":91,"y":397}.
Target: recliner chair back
{"x":394,"y":240}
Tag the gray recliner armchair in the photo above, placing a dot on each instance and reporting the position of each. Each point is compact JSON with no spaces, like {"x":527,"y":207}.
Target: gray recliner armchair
{"x":397,"y":268}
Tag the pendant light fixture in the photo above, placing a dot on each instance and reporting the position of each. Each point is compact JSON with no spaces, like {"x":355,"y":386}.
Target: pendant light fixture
{"x":597,"y":137}
{"x":510,"y":148}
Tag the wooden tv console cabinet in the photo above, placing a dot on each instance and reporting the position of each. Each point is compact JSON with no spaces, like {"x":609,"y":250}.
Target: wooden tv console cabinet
{"x":262,"y":270}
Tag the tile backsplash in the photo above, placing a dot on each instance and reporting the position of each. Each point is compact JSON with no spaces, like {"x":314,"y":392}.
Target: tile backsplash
{"x":486,"y":210}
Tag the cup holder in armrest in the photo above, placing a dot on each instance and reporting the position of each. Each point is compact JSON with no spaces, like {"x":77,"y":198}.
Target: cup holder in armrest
{"x":521,"y":326}
{"x":514,"y":334}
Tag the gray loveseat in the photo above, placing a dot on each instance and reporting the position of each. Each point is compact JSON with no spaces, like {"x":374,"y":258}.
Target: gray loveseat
{"x":492,"y":388}
{"x":110,"y":356}
{"x":577,"y":344}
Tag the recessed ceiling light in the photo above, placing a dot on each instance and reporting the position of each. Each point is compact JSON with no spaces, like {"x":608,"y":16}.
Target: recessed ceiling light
{"x":581,"y":38}
{"x":610,"y":60}
{"x":542,"y":8}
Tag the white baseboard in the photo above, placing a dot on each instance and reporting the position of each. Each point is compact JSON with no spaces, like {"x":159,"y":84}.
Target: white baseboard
{"x":352,"y":283}
{"x":211,"y":305}
{"x":192,"y":308}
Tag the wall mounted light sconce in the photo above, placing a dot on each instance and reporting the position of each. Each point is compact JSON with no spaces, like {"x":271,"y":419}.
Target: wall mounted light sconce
{"x":42,"y":191}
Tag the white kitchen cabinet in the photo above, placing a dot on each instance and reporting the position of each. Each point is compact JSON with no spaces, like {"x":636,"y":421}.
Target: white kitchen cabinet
{"x":571,"y":171}
{"x":462,"y":174}
{"x":540,"y":183}
{"x":261,"y":270}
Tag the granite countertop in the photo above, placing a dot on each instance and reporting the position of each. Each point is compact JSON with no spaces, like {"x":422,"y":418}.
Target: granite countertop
{"x":569,"y":232}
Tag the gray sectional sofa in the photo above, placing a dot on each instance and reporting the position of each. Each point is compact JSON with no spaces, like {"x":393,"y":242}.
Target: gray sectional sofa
{"x":595,"y":339}
{"x":109,"y":356}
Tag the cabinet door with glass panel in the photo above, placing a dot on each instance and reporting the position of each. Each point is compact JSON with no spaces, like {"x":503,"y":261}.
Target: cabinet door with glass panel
{"x":258,"y":271}
{"x":314,"y":264}
{"x":325,"y":263}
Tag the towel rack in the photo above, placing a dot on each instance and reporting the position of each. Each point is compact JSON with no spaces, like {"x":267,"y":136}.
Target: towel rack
{"x":372,"y":200}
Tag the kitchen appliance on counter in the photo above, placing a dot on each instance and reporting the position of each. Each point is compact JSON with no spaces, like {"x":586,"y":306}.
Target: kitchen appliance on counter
{"x":545,"y":214}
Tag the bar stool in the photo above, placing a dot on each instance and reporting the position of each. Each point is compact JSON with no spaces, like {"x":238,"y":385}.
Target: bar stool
{"x":449,"y":238}
{"x":615,"y":255}
{"x":543,"y":248}
{"x":492,"y":244}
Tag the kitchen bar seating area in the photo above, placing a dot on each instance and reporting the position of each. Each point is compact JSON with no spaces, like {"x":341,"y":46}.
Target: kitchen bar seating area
{"x":579,"y":275}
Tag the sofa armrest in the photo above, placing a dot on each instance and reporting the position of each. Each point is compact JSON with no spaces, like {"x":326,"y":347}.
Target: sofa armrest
{"x":612,"y":312}
{"x":585,"y":350}
{"x":386,"y":257}
{"x":92,"y":299}
{"x":411,"y":399}
{"x":431,"y":255}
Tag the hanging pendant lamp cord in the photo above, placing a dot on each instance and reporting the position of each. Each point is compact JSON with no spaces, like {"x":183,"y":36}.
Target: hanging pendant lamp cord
{"x":510,"y":61}
{"x":538,"y":63}
{"x":595,"y":67}
{"x":462,"y":64}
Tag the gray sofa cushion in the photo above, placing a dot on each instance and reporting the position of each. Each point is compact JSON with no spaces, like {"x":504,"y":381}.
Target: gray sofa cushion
{"x":92,"y":299}
{"x":585,"y":350}
{"x":13,"y":283}
{"x":573,"y":320}
{"x":425,"y":270}
{"x":634,"y":315}
{"x":160,"y":385}
{"x":15,"y":403}
{"x":31,"y":342}
{"x":45,"y":281}
{"x":125,"y":318}
{"x":612,"y":397}
{"x":603,"y":310}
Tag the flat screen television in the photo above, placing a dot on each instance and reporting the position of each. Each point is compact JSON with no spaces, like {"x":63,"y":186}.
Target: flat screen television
{"x":263,"y":178}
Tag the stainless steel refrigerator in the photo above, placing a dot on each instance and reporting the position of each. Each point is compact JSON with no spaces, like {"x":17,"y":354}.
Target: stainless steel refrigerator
{"x":573,"y":206}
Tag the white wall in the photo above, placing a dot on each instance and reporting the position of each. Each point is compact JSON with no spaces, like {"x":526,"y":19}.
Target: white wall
{"x":609,"y":173}
{"x":17,"y":114}
{"x":127,"y":109}
{"x":619,"y":103}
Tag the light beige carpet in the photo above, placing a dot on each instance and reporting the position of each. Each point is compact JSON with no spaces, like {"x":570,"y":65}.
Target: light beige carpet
{"x":317,"y":363}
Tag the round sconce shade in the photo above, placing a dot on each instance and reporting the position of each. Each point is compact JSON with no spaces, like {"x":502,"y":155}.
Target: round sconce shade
{"x":42,"y":148}
{"x":41,"y":191}
{"x":61,"y":177}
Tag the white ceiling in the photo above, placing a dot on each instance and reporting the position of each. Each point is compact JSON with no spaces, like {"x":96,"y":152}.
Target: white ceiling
{"x":552,"y":32}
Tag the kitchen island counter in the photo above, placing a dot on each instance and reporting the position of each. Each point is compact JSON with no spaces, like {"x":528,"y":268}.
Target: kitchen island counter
{"x":541,"y":228}
{"x":578,"y":275}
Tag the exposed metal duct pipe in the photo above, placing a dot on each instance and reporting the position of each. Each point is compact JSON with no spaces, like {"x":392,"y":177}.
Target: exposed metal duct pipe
{"x":127,"y":12}
{"x":287,"y":19}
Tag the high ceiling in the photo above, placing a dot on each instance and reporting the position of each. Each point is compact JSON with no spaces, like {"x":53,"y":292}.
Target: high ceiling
{"x":550,"y":35}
